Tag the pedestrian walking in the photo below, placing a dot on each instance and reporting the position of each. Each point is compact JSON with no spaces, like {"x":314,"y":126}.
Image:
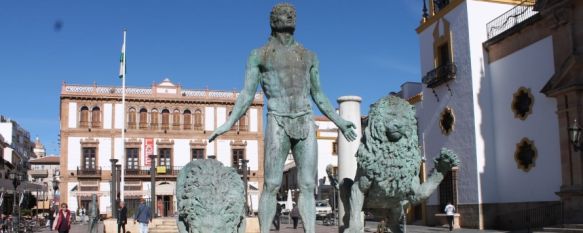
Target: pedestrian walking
{"x":276,"y":220}
{"x":450,"y":212}
{"x":143,"y":216}
{"x":63,"y":219}
{"x":51,"y":217}
{"x":122,"y":217}
{"x":295,"y":215}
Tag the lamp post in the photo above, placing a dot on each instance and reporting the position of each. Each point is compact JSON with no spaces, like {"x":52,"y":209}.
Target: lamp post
{"x":15,"y":176}
{"x":575,"y":136}
{"x":113,"y":193}
{"x":245,"y":173}
{"x":153,"y":184}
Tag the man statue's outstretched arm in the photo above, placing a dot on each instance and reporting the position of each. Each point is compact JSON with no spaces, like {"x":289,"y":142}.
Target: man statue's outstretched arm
{"x":246,"y":96}
{"x":346,"y":127}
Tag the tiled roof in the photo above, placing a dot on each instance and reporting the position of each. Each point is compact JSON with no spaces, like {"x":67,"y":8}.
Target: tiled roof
{"x":47,"y":160}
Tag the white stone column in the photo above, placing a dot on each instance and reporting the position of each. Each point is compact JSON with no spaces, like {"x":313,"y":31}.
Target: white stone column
{"x":350,"y":111}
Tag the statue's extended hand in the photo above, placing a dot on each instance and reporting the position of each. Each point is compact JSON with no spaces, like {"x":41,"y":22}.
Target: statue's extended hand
{"x":218,"y":132}
{"x":347,"y":128}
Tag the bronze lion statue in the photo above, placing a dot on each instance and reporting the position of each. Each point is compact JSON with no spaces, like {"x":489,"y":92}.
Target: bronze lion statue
{"x":387,"y":176}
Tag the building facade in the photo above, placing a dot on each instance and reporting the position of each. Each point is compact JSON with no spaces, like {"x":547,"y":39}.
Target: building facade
{"x":482,"y":97}
{"x":163,"y":120}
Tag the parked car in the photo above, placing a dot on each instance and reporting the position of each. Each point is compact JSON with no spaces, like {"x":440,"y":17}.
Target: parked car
{"x":323,"y":209}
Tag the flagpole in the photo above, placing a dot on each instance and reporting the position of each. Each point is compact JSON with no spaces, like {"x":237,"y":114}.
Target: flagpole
{"x":123,"y":104}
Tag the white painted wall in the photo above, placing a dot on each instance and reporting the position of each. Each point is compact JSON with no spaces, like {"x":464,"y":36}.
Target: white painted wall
{"x":72,"y":201}
{"x":107,"y":116}
{"x":181,"y":152}
{"x":530,"y":67}
{"x":253,"y":118}
{"x":118,"y":116}
{"x":210,"y":149}
{"x":73,"y":111}
{"x":252,"y":153}
{"x":479,"y":14}
{"x":209,"y":118}
{"x":221,"y":116}
{"x":224,"y":152}
{"x":462,"y":139}
{"x":74,"y":153}
{"x":104,"y":153}
{"x":118,"y":150}
{"x":325,"y":156}
{"x":6,"y":132}
{"x":104,"y":200}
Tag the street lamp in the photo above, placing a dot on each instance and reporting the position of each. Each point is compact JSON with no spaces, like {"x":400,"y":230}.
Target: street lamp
{"x":244,"y":171}
{"x":575,"y":136}
{"x":153,"y":184}
{"x":15,"y":176}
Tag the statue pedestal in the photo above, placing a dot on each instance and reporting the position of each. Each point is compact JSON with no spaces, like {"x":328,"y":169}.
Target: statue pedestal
{"x":442,"y":219}
{"x":252,"y":225}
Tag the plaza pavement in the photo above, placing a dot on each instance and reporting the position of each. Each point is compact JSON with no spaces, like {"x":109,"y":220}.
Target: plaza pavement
{"x":288,"y":228}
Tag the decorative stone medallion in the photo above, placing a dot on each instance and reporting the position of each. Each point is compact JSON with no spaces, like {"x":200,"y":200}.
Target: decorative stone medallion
{"x":522,"y":102}
{"x":525,"y":154}
{"x":447,"y":121}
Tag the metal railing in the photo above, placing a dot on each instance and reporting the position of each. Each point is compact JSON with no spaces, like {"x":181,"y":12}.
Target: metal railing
{"x":532,"y":218}
{"x":440,"y":75}
{"x":145,"y":171}
{"x":89,"y":171}
{"x":511,"y":18}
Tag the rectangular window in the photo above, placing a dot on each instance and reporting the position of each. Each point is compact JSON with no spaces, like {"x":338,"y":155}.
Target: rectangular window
{"x":165,"y":158}
{"x":89,"y":158}
{"x":238,"y":154}
{"x":444,"y":57}
{"x":132,"y":156}
{"x":197,"y":153}
{"x":334,"y":148}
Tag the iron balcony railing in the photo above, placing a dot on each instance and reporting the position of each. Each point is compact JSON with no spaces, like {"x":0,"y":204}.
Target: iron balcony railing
{"x":145,"y":171}
{"x":511,"y":18}
{"x":89,"y":172}
{"x":440,"y":75}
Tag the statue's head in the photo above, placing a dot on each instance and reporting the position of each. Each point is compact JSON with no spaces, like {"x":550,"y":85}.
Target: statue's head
{"x":283,"y":18}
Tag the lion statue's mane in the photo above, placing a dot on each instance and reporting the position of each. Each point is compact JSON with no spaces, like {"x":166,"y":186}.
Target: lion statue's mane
{"x":211,"y":198}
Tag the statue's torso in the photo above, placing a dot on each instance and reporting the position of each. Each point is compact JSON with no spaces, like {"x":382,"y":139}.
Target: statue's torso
{"x":285,"y":77}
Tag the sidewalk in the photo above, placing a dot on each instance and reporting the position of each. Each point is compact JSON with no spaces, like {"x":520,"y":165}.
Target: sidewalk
{"x":288,"y":228}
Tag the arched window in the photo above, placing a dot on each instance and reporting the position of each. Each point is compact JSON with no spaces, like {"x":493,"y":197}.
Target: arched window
{"x":243,"y":123}
{"x":165,"y":119}
{"x":143,"y":118}
{"x":186,"y":118}
{"x":84,"y":117}
{"x":198,"y":119}
{"x":176,"y":119}
{"x":132,"y":118}
{"x":154,"y":119}
{"x":96,"y":117}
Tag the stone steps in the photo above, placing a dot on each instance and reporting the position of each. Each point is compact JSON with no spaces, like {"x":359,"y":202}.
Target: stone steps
{"x":165,"y":226}
{"x":565,"y":228}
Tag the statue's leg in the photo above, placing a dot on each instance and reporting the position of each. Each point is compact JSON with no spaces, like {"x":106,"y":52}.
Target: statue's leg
{"x":396,"y":218}
{"x":356,"y":201}
{"x":277,"y":146}
{"x":305,"y":154}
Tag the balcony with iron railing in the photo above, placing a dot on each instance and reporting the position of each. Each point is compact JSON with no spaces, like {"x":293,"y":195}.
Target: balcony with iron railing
{"x":440,"y":75}
{"x":145,"y":171}
{"x":518,"y":14}
{"x":44,"y":173}
{"x":89,"y":172}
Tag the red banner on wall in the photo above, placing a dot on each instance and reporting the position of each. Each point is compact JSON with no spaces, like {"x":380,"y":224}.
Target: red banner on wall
{"x":148,"y":150}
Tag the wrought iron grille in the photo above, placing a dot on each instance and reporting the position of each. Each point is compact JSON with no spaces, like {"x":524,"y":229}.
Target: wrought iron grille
{"x":440,"y":75}
{"x":511,"y":18}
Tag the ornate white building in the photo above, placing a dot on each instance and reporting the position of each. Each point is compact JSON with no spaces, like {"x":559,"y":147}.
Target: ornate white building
{"x":164,"y":120}
{"x":495,"y":92}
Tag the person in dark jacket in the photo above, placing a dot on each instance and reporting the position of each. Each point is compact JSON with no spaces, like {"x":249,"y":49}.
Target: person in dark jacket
{"x":51,"y":217}
{"x":276,"y":222}
{"x":122,"y":217}
{"x":295,"y":215}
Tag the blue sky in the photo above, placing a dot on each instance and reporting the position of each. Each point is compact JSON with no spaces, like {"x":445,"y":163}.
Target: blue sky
{"x":366,"y":48}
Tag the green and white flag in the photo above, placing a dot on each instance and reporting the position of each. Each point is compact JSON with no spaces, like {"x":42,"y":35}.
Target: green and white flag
{"x":122,"y":59}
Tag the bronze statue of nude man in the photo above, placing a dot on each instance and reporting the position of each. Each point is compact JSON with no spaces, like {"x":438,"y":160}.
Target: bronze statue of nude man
{"x":289,"y":76}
